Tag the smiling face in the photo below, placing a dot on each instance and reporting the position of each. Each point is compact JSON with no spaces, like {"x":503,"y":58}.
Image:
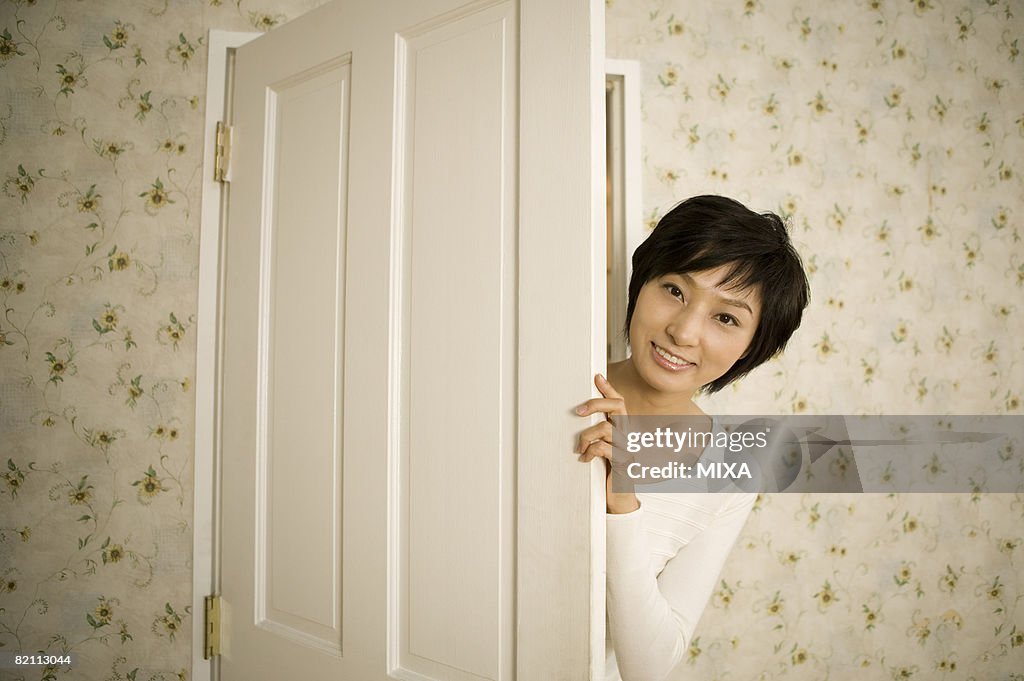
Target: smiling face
{"x":688,"y":329}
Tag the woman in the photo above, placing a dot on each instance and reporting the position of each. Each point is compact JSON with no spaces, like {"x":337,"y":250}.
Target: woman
{"x":716,"y":291}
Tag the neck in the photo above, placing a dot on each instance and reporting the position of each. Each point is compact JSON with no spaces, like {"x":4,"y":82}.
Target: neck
{"x":641,"y":400}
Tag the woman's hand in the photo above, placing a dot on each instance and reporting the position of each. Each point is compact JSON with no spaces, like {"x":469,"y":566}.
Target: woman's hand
{"x":598,"y":441}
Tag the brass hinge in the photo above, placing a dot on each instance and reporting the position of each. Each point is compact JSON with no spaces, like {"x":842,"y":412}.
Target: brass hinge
{"x":222,"y":152}
{"x":211,"y":622}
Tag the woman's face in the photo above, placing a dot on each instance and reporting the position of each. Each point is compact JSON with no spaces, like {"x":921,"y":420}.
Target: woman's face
{"x":686,"y":330}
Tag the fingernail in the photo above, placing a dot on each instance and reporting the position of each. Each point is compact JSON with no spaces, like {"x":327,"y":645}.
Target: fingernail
{"x":601,"y":378}
{"x":582,"y":409}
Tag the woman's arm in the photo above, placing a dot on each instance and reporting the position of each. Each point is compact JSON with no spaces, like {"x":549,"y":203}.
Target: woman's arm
{"x":652,"y":617}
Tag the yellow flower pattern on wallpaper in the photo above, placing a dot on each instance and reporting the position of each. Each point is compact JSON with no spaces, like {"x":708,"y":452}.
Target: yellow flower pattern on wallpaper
{"x":101,"y":128}
{"x":888,"y":134}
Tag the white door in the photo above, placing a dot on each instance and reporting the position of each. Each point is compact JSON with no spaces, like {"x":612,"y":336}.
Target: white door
{"x":412,"y":306}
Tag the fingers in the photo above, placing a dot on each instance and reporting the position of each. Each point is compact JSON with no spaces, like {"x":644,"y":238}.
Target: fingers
{"x":606,"y":405}
{"x":606,"y":388}
{"x":595,"y":449}
{"x":612,"y":403}
{"x":598,"y":432}
{"x":596,"y":441}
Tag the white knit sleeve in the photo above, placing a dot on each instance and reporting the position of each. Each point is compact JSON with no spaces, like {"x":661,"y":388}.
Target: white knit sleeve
{"x":652,"y":617}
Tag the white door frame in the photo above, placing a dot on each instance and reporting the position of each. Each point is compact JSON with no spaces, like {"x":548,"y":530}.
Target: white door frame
{"x":221,"y":45}
{"x":622,"y":78}
{"x":627,"y":71}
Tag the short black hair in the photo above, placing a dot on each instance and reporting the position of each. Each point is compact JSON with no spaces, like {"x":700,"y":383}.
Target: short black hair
{"x":706,"y":232}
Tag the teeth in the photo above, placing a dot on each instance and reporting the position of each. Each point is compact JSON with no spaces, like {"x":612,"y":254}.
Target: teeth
{"x":671,"y":358}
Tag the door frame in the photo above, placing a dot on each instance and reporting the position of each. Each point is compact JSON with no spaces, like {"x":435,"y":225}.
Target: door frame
{"x":221,"y":46}
{"x":625,"y":187}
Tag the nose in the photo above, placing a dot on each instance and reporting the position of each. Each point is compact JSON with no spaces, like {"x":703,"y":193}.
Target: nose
{"x":686,"y":327}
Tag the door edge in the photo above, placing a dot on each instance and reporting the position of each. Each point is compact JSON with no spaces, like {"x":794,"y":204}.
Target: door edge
{"x":206,"y":457}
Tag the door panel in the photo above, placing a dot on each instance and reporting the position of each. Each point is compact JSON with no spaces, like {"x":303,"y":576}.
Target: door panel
{"x":286,"y":378}
{"x":458,"y":233}
{"x":374,"y":415}
{"x":301,"y":353}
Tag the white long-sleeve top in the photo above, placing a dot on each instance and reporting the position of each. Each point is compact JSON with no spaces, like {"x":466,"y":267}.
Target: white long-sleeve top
{"x":663,"y":563}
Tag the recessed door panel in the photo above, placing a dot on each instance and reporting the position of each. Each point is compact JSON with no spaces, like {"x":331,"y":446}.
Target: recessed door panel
{"x":459,"y":334}
{"x":301,"y":363}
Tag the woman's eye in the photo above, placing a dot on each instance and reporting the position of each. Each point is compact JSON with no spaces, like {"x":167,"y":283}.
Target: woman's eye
{"x":674,"y":290}
{"x":727,"y":319}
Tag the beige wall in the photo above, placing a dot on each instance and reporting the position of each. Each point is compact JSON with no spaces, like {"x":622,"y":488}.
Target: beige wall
{"x":102,"y":105}
{"x":890,"y":134}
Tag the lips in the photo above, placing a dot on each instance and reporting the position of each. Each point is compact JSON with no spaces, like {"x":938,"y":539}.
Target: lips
{"x":667,"y":360}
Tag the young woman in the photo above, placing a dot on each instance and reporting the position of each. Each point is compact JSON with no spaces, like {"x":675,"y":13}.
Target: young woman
{"x":716,"y":291}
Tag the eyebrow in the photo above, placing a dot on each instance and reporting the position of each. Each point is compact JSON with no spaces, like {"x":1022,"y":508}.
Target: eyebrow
{"x":731,"y":302}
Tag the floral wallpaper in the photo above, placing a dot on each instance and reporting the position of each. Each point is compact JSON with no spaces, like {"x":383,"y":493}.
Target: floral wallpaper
{"x":890,"y":135}
{"x":101,"y":129}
